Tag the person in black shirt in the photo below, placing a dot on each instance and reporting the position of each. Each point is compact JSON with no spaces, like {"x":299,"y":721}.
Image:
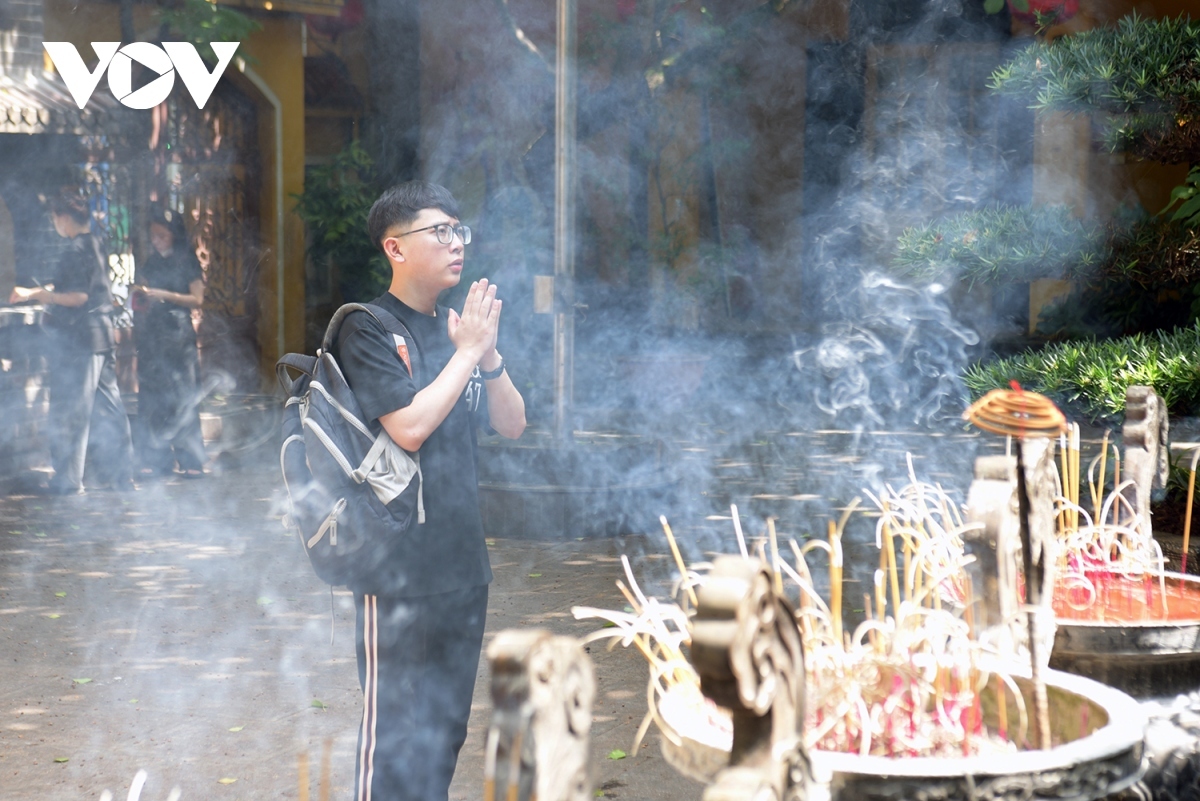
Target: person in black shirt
{"x":169,"y":285}
{"x":84,"y":399}
{"x":418,"y":648}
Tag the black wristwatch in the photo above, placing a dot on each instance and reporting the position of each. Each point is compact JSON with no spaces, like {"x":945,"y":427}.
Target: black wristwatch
{"x":488,"y":375}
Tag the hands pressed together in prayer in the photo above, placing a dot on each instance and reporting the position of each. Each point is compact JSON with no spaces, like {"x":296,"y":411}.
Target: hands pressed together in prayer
{"x":475,"y":330}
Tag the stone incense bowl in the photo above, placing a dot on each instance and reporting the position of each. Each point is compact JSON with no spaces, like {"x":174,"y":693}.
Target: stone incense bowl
{"x":1136,"y":647}
{"x":1098,"y":734}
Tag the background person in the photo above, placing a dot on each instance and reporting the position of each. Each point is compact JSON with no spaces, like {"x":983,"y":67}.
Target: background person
{"x":418,"y":647}
{"x":85,"y":402}
{"x":169,"y":285}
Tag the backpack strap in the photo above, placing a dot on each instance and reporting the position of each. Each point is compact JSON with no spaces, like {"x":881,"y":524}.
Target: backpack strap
{"x":335,"y":324}
{"x":305,"y":364}
{"x":393,"y":325}
{"x":389,"y":321}
{"x":298,"y":362}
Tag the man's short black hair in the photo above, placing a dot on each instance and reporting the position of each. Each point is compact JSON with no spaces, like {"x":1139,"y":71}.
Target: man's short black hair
{"x":402,"y":203}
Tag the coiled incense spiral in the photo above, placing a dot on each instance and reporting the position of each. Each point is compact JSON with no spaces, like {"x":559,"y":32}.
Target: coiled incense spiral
{"x":1016,"y":413}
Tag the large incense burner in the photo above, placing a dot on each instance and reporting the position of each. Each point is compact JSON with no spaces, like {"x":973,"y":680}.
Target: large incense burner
{"x":745,"y":652}
{"x":1102,"y":599}
{"x":1121,"y":618}
{"x":944,"y":691}
{"x":750,"y":690}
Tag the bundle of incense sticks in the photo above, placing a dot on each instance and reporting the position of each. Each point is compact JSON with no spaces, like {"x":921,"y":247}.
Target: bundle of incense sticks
{"x":1068,"y":441}
{"x":1106,"y":557}
{"x":1187,"y":515}
{"x":659,"y":629}
{"x":906,"y":682}
{"x":1102,"y":561}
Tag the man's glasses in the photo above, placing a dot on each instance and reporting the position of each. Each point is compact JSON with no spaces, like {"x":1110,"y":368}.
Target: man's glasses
{"x":445,"y":232}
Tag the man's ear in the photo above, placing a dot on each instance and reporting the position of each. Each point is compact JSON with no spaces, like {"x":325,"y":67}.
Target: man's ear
{"x":391,"y":249}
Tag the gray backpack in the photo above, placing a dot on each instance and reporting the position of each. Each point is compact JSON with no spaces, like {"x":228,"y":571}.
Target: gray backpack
{"x":354,"y":497}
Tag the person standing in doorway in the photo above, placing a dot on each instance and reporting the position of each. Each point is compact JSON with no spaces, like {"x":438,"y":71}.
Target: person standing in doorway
{"x":418,"y":647}
{"x":169,"y":286}
{"x":85,"y":402}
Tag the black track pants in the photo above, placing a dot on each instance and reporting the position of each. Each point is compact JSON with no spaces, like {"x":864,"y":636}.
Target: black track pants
{"x":417,"y":662}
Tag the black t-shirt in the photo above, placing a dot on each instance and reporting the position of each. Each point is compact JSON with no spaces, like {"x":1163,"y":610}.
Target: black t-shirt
{"x":450,"y":552}
{"x":174,"y":272}
{"x":87,"y":328}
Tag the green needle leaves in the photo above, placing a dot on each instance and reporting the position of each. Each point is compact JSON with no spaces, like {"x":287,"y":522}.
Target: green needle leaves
{"x":1094,"y":375}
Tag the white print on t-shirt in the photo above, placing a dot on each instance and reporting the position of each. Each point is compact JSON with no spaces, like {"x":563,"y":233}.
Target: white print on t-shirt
{"x":474,"y":391}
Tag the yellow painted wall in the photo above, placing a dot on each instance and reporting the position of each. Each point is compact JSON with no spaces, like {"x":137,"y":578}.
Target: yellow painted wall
{"x":279,"y":63}
{"x":80,"y":23}
{"x":277,"y":48}
{"x":1069,"y":171}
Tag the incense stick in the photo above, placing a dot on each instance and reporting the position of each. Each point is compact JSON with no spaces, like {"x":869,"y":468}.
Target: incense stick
{"x":737,"y":529}
{"x":896,"y":712}
{"x":683,"y":573}
{"x":775,"y":555}
{"x":1041,"y":712}
{"x":1075,"y":452}
{"x":1187,"y":515}
{"x":1065,"y":478}
{"x":326,"y":762}
{"x":1024,"y":414}
{"x":1098,"y":493}
{"x":835,"y":581}
{"x":302,"y":767}
{"x":880,"y":599}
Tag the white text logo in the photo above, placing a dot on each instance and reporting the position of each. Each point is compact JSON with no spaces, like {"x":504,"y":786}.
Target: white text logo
{"x":171,"y":58}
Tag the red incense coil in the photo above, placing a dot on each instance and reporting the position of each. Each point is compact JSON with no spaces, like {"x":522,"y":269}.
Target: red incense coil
{"x":1017,"y":413}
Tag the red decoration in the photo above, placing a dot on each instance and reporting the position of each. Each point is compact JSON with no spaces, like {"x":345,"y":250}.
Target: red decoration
{"x":351,"y":15}
{"x":626,"y":9}
{"x":1060,"y":10}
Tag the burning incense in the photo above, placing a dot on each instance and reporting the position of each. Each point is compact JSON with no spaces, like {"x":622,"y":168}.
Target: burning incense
{"x":1021,"y":415}
{"x":890,"y":544}
{"x":1065,"y":478}
{"x":1073,"y":441}
{"x":1100,"y":558}
{"x":775,"y":571}
{"x":1187,"y":515}
{"x":1098,"y":489}
{"x":835,"y":580}
{"x":660,"y":631}
{"x":880,"y":601}
{"x":737,"y":530}
{"x":905,"y":684}
{"x":683,"y":574}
